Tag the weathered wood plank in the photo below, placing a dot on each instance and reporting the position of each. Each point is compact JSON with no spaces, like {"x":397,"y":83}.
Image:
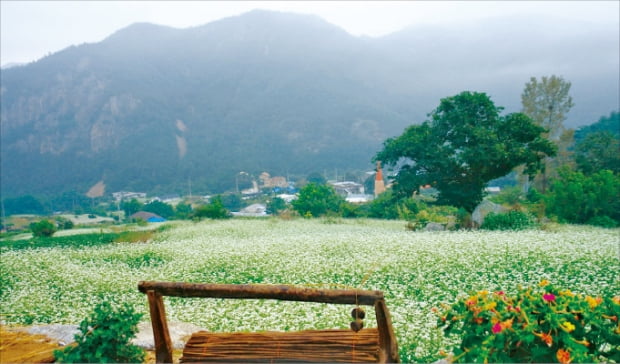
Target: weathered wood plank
{"x":161,"y":335}
{"x":388,"y":344}
{"x":263,"y":291}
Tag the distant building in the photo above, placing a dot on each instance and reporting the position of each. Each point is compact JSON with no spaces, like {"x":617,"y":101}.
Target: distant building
{"x":379,"y":184}
{"x":347,"y":188}
{"x":493,"y":190}
{"x":359,"y":198}
{"x":271,"y":182}
{"x":254,"y":210}
{"x":125,"y":195}
{"x":147,"y":216}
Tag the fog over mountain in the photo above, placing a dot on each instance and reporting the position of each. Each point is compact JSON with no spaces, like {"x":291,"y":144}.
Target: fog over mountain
{"x":152,"y":107}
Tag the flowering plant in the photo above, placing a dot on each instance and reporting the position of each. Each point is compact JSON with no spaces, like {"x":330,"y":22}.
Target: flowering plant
{"x":542,"y":324}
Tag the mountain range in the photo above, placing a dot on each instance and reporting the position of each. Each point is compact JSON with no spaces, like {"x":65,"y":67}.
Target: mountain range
{"x":153,"y":108}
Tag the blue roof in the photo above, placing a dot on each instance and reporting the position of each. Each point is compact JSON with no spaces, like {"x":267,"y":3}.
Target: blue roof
{"x":155,"y":219}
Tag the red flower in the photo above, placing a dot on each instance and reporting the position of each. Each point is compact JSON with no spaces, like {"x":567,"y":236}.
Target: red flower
{"x":497,"y":328}
{"x":549,"y":297}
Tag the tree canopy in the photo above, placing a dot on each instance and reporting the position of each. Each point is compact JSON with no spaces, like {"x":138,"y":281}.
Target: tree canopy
{"x":465,"y":144}
{"x":547,"y":102}
{"x":317,"y":200}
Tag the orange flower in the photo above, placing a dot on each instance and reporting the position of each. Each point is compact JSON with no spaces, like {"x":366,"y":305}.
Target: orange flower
{"x":616,"y":300}
{"x":563,"y":356}
{"x":546,"y":338}
{"x":507,"y":324}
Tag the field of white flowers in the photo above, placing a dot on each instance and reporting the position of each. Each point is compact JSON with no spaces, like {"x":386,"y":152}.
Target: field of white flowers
{"x":416,"y":270}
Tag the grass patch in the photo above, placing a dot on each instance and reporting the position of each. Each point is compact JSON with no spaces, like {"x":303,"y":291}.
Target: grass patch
{"x":72,"y":241}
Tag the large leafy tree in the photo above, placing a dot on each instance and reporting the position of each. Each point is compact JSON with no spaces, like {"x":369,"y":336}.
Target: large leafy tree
{"x":465,"y":144}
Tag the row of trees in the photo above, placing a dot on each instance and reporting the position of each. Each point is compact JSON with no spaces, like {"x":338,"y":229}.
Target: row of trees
{"x":466,"y":143}
{"x":573,"y":176}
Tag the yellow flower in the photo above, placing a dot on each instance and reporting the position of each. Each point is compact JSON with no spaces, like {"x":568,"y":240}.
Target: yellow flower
{"x":567,"y":292}
{"x":490,"y":305}
{"x":568,"y":327}
{"x":593,"y":302}
{"x":543,"y":283}
{"x":616,"y":300}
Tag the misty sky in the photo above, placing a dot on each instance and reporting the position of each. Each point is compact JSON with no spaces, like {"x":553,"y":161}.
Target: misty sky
{"x":33,"y":29}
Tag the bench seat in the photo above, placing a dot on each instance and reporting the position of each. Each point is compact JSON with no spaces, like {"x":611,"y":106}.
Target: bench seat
{"x":329,"y":346}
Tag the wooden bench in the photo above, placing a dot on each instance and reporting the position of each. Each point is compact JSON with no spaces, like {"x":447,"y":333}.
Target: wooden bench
{"x":337,"y":345}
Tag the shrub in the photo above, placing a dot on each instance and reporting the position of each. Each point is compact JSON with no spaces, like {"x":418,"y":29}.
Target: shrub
{"x":603,"y":221}
{"x":317,"y":200}
{"x":577,"y":198}
{"x":512,"y":220}
{"x":213,"y":210}
{"x":389,"y":206}
{"x":545,"y":324}
{"x":104,"y":337}
{"x":275,"y":205}
{"x":43,"y":228}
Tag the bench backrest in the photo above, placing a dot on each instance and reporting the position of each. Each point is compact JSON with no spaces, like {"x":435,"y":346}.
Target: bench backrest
{"x":163,"y":346}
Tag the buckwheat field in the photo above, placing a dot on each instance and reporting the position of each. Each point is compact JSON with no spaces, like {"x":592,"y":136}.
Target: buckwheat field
{"x":416,"y":271}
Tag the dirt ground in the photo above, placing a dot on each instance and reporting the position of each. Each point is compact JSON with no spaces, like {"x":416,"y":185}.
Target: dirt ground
{"x":17,"y":346}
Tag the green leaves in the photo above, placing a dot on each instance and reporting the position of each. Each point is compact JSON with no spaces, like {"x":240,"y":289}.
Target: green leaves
{"x":105,"y":336}
{"x":545,"y":324}
{"x":578,"y":198}
{"x":317,"y":200}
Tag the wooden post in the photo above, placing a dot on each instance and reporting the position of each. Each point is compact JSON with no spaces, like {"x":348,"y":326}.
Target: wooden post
{"x":387,"y":339}
{"x":161,"y":335}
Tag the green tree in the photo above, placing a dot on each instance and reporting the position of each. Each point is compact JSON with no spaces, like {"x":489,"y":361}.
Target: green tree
{"x":597,"y":151}
{"x":317,"y":200}
{"x":233,"y":201}
{"x":609,"y":123}
{"x":464,"y":145}
{"x":577,"y":198}
{"x":131,"y":207}
{"x":213,"y":210}
{"x":159,"y":208}
{"x":316,"y":178}
{"x":389,"y":206}
{"x":183,"y":210}
{"x":275,"y":205}
{"x":548,"y":102}
{"x":26,"y":204}
{"x":43,"y":228}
